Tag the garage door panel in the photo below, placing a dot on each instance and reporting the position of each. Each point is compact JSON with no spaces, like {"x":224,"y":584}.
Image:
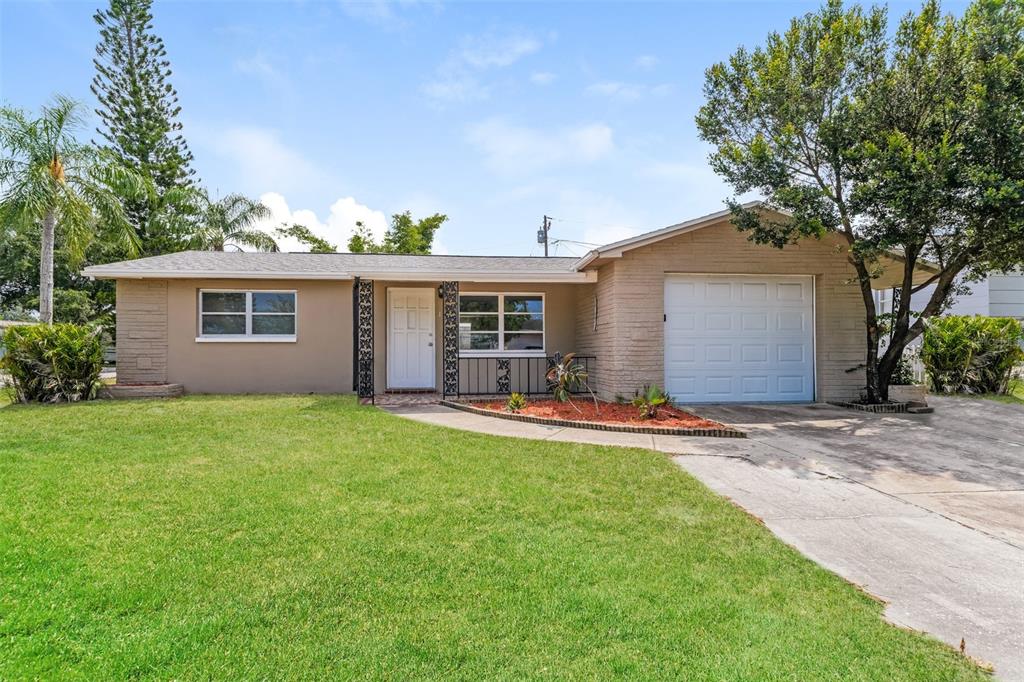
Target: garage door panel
{"x":754,"y":353}
{"x":718,"y":321}
{"x":790,"y":291}
{"x":739,"y":338}
{"x":790,"y":321}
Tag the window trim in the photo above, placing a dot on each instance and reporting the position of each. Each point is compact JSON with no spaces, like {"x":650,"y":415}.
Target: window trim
{"x":248,"y":337}
{"x":501,"y":352}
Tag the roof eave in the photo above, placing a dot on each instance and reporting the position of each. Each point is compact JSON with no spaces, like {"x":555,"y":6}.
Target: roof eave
{"x":398,"y":276}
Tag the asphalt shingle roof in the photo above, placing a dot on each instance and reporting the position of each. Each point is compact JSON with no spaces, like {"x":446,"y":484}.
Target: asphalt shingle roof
{"x":324,"y":264}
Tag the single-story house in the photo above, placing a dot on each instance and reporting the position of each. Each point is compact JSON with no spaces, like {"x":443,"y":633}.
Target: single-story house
{"x":694,"y":307}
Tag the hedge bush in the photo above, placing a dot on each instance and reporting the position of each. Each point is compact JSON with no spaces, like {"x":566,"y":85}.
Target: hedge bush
{"x":53,"y":363}
{"x":972,"y":354}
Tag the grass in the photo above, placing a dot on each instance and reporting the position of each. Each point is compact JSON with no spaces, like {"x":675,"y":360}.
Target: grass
{"x":308,"y":537}
{"x":1015,"y":394}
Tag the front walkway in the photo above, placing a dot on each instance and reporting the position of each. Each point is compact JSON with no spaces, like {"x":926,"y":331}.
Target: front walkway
{"x":924,"y":511}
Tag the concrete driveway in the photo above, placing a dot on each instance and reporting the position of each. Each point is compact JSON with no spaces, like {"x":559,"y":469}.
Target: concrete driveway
{"x":924,"y":511}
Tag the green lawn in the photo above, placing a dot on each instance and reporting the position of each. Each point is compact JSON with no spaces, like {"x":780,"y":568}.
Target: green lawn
{"x":1015,"y":394}
{"x":307,"y":537}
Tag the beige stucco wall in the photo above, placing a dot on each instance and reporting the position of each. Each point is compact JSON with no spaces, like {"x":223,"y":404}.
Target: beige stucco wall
{"x":319,"y":361}
{"x":629,"y":340}
{"x":559,"y":318}
{"x":158,"y":322}
{"x":141,"y":331}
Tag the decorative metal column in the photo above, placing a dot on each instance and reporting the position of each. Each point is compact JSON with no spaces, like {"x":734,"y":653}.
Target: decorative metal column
{"x":450,"y":337}
{"x":364,"y":338}
{"x":504,"y":375}
{"x":897,"y":294}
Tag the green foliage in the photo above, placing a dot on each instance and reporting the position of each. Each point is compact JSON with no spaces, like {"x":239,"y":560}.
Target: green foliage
{"x":16,"y":313}
{"x":72,"y":191}
{"x":139,"y":112}
{"x":565,"y":376}
{"x":403,"y":236}
{"x":649,"y":400}
{"x":73,"y":307}
{"x":227,"y":223}
{"x":911,"y":141}
{"x":515,"y":402}
{"x":306,"y":237}
{"x":904,"y":372}
{"x":53,"y":363}
{"x":972,"y":354}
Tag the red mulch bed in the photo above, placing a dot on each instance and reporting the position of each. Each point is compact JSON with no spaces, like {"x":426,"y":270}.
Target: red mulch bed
{"x":607,"y":413}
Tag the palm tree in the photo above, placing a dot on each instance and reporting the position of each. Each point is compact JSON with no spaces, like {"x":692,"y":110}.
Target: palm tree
{"x":49,"y":179}
{"x":228,"y":222}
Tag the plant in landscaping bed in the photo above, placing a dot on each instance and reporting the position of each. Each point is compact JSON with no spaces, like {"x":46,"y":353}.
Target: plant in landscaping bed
{"x":53,"y":363}
{"x":650,"y":399}
{"x":565,"y":376}
{"x":972,"y":354}
{"x":515,"y":402}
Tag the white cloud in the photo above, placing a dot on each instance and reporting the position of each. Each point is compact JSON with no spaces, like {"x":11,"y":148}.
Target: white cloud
{"x":691,"y":174}
{"x":509,"y":148}
{"x":490,"y":51}
{"x":262,"y":161}
{"x":337,"y":228}
{"x":542,"y":78}
{"x":646,"y":61}
{"x":459,"y":77}
{"x":595,"y":218}
{"x":386,"y":14}
{"x":616,"y":90}
{"x":627,"y":92}
{"x":257,"y":65}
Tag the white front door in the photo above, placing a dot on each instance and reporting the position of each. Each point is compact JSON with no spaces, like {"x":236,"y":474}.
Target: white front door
{"x":410,"y":338}
{"x":739,"y":338}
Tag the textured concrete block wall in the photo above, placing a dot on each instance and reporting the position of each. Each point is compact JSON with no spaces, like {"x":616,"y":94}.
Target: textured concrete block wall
{"x":630,"y":336}
{"x":141,"y":331}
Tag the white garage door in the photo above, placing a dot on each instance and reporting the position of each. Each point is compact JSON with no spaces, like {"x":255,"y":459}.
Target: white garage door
{"x":739,"y":338}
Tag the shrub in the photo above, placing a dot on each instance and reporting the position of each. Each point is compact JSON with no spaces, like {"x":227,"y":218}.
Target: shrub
{"x":53,"y":363}
{"x":515,"y":402}
{"x":972,"y":354}
{"x":903,"y":375}
{"x":564,"y":376}
{"x":649,"y":400}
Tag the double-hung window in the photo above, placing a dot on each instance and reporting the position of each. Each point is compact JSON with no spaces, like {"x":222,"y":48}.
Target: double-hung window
{"x":246,"y":315}
{"x":501,"y":323}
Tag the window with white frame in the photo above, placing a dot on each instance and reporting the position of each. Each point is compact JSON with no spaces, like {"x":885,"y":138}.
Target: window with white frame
{"x":500,"y":323}
{"x":246,"y":314}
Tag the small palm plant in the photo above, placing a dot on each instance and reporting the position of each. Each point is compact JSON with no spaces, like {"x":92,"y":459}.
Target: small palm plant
{"x":650,"y":400}
{"x":516,"y":402}
{"x":228,"y":223}
{"x":565,"y":376}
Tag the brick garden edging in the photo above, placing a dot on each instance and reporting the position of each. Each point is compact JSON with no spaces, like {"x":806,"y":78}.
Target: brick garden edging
{"x":723,"y":432}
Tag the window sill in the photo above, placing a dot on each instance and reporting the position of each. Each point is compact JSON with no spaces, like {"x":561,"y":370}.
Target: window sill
{"x":246,"y":339}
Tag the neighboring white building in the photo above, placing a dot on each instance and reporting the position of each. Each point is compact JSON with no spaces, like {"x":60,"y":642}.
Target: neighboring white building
{"x":995,"y":296}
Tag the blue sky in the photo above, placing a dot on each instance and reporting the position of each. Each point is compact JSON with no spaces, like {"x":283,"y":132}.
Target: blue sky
{"x":494,"y":113}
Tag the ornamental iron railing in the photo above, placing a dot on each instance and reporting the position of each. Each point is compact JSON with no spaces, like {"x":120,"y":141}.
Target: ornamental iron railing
{"x":525,"y":374}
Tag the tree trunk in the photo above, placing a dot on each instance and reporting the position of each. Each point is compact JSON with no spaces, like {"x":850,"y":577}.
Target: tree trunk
{"x":873,"y":387}
{"x":46,"y":268}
